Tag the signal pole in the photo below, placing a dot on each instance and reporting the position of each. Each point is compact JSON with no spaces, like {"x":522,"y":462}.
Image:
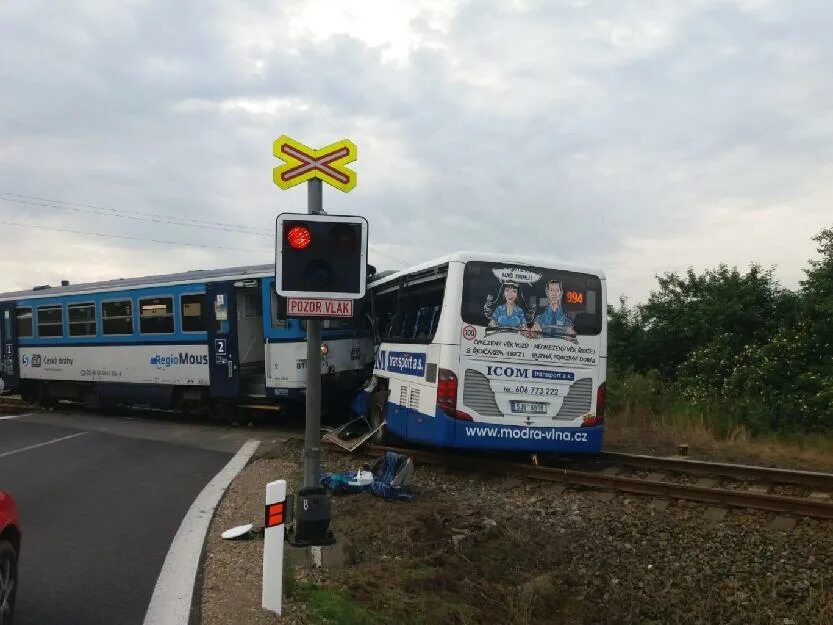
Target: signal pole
{"x":321,"y":270}
{"x":312,"y":437}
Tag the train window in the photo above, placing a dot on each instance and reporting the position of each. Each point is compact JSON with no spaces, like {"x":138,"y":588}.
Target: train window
{"x":81,"y":319}
{"x":117,"y":317}
{"x":156,"y":315}
{"x":50,"y":321}
{"x":250,"y":305}
{"x":278,"y":321}
{"x":192,"y":307}
{"x":24,"y":323}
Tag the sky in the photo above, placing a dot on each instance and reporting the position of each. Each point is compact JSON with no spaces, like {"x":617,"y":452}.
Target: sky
{"x":639,"y":137}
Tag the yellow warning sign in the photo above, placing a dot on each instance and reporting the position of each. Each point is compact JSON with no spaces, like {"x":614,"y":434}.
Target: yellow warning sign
{"x":304,"y":163}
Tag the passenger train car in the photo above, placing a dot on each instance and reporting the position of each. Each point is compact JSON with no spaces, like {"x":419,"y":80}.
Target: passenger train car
{"x":179,"y":340}
{"x":489,"y":351}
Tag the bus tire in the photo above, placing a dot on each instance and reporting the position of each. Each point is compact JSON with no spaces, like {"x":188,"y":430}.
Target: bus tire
{"x":377,"y":418}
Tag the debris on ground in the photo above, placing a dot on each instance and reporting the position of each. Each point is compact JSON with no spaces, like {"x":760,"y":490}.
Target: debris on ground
{"x":388,"y":478}
{"x":487,"y":549}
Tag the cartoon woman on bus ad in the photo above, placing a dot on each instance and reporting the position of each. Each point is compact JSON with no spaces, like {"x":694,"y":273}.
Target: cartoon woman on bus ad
{"x":509,"y":311}
{"x":509,"y":314}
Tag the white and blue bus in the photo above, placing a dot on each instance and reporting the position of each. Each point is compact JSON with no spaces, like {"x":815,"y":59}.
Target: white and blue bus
{"x":188,"y":339}
{"x":487,"y":351}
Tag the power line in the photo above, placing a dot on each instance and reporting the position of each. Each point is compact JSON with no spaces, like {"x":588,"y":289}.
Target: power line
{"x":141,"y":216}
{"x":124,"y":236}
{"x":141,"y":213}
{"x":393,"y":258}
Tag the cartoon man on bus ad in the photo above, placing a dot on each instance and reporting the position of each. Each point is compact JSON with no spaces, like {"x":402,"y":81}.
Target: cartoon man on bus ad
{"x":554,"y":321}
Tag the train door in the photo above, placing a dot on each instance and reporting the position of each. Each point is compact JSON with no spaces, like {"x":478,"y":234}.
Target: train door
{"x":9,"y":372}
{"x":223,"y":354}
{"x":250,"y":340}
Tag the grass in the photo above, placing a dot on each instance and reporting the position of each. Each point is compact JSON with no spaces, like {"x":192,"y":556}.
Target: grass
{"x":647,"y":415}
{"x":658,"y":426}
{"x":330,"y":606}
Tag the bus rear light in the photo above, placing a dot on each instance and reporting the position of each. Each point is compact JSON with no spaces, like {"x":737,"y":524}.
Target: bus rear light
{"x":600,"y":403}
{"x":447,"y":392}
{"x":592,"y":420}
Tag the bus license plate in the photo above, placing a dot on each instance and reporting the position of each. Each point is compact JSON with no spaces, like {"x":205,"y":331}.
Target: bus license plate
{"x":528,"y":407}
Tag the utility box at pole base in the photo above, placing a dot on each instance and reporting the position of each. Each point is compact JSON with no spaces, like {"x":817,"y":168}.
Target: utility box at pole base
{"x":321,"y":256}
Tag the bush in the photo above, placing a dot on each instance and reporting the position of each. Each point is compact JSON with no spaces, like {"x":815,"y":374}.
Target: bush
{"x":730,"y":347}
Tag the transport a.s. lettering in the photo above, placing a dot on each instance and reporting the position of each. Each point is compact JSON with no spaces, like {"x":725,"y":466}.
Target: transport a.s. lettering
{"x":407,"y":363}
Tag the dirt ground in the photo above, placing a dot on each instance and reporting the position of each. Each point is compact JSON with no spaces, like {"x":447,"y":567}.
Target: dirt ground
{"x":474,"y":549}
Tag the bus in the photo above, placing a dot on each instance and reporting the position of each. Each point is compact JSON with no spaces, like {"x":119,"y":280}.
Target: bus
{"x":489,"y":351}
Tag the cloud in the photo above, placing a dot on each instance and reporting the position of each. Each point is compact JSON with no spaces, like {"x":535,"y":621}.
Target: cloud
{"x":635,"y":137}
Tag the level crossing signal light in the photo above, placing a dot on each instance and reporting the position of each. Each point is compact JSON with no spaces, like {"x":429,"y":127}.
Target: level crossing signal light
{"x":321,"y":256}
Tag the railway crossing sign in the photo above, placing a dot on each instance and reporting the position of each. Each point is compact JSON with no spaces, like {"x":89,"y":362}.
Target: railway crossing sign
{"x":303,"y":163}
{"x":321,"y":281}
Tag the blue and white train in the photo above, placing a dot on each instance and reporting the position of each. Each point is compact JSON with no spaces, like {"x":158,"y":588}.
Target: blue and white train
{"x":489,"y":351}
{"x":181,"y":340}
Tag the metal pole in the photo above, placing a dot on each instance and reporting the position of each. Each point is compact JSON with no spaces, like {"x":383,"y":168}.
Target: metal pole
{"x":312,"y":439}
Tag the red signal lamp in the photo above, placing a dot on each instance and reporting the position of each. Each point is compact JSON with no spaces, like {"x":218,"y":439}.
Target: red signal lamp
{"x":299,"y":237}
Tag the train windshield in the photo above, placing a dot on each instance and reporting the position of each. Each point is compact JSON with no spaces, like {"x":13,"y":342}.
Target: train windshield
{"x":533,"y":301}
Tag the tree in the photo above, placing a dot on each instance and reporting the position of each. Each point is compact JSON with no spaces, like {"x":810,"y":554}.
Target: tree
{"x":721,"y":309}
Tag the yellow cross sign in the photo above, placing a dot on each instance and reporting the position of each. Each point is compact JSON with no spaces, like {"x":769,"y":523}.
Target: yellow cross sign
{"x":303,"y":163}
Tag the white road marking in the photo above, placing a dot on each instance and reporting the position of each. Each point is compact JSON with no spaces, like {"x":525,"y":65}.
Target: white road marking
{"x":173,"y":594}
{"x":16,"y":416}
{"x":54,"y":440}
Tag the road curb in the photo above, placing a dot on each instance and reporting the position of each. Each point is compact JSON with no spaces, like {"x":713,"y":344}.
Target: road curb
{"x":173,"y":594}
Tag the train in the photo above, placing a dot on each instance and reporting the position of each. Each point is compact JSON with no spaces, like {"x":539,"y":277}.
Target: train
{"x":187,"y":341}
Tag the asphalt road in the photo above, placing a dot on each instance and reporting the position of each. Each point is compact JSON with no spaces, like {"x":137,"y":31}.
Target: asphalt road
{"x":99,"y":510}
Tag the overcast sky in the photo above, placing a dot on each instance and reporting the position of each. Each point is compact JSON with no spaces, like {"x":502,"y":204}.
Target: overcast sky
{"x":641,"y":137}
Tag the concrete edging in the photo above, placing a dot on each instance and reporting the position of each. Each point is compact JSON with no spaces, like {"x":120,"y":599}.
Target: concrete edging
{"x":173,"y":594}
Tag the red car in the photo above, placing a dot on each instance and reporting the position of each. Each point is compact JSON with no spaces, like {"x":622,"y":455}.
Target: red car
{"x":9,"y":552}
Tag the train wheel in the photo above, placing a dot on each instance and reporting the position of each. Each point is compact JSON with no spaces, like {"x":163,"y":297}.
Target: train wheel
{"x":45,"y":399}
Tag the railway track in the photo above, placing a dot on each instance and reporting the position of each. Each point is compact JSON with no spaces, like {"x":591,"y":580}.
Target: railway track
{"x":10,"y":403}
{"x":816,"y":503}
{"x":742,"y":472}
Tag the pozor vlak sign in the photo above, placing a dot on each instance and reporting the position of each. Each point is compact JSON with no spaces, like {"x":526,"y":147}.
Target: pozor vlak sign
{"x":315,"y":307}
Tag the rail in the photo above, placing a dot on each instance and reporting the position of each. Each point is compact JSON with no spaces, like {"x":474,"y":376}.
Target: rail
{"x":811,"y":479}
{"x":10,"y":402}
{"x":805,"y":506}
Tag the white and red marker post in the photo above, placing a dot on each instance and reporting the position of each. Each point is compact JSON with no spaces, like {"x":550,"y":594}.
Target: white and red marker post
{"x":273,"y":535}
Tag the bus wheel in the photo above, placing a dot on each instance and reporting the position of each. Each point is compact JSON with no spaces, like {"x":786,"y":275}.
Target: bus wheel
{"x":377,"y":419}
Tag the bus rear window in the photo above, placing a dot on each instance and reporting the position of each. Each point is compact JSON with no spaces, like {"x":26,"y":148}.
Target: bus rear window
{"x":541,"y":302}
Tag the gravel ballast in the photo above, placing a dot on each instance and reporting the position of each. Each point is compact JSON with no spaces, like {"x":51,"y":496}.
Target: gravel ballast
{"x":477,"y":549}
